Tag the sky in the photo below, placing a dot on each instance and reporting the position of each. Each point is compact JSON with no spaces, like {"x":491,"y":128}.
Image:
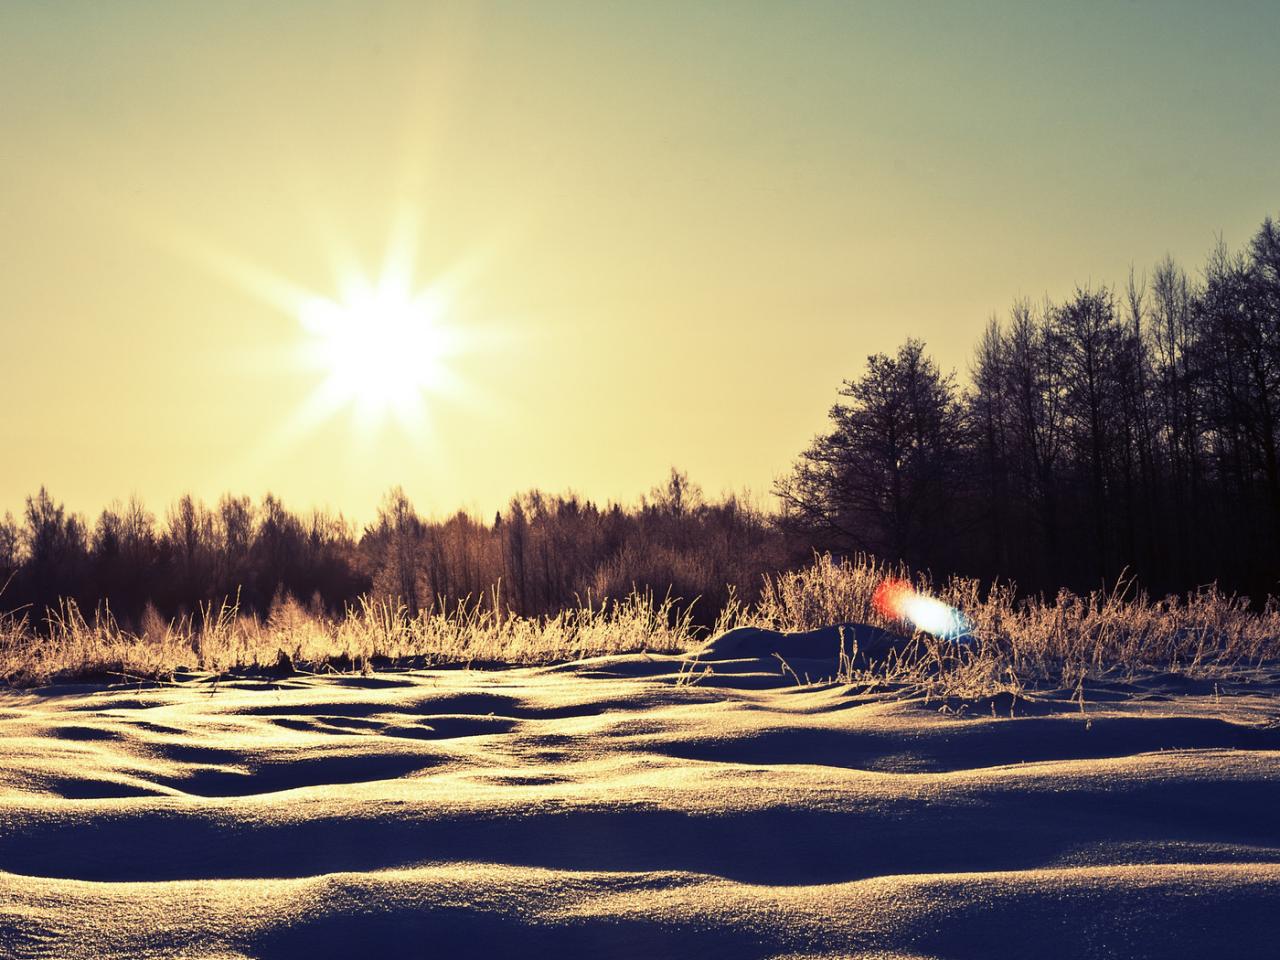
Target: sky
{"x":619,"y":237}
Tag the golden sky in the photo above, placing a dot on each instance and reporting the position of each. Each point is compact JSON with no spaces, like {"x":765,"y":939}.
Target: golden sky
{"x":624,"y":236}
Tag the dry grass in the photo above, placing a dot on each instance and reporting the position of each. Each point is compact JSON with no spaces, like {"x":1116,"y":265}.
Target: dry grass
{"x":221,"y":639}
{"x":1014,"y":643}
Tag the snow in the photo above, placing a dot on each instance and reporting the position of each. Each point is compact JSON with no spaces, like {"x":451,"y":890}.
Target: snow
{"x":613,"y":808}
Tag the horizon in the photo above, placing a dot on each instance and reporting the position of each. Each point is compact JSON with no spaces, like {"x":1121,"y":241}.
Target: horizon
{"x":635,"y":262}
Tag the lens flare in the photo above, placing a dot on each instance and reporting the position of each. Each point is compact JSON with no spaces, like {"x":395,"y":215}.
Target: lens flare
{"x":898,"y":600}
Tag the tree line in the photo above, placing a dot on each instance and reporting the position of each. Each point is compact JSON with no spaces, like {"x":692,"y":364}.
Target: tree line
{"x":1124,"y":430}
{"x":541,"y":554}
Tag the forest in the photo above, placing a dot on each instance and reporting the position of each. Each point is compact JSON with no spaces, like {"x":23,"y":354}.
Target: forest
{"x":1126,"y":433}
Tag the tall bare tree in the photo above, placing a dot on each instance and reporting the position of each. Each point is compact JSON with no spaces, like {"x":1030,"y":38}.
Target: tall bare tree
{"x":882,"y":479}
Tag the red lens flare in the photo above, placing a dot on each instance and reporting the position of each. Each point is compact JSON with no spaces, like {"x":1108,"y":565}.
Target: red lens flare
{"x":897,"y":599}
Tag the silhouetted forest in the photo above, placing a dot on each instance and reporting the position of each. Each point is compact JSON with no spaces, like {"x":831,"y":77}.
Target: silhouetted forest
{"x":1133,"y":429}
{"x":541,"y":554}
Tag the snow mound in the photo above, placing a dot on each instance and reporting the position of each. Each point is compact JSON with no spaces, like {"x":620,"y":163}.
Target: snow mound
{"x":859,"y":641}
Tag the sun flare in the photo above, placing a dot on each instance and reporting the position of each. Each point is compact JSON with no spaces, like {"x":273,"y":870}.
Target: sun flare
{"x":381,"y":348}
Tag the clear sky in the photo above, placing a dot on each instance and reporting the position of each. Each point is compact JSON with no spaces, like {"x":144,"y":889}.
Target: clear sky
{"x":621,"y":236}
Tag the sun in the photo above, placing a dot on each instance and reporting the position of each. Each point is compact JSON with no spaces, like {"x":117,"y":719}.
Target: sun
{"x":386,"y":349}
{"x":382,"y":349}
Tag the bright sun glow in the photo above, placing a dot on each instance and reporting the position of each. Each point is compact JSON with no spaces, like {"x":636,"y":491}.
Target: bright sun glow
{"x":382,"y":349}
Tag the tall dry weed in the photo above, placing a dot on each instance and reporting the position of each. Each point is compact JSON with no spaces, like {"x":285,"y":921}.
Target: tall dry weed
{"x":1012,"y":642}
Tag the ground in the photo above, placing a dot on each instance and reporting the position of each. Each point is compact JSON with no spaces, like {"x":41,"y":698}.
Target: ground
{"x":636,"y":806}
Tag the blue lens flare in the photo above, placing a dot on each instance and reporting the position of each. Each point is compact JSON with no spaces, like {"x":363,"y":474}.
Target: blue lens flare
{"x":898,"y":600}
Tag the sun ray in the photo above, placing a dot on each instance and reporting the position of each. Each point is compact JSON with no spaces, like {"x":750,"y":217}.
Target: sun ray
{"x":380,"y":345}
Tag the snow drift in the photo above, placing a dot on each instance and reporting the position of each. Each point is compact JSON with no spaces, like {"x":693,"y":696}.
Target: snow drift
{"x":614,"y":808}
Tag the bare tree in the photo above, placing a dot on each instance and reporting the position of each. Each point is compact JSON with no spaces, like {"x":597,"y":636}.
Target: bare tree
{"x":882,"y":479}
